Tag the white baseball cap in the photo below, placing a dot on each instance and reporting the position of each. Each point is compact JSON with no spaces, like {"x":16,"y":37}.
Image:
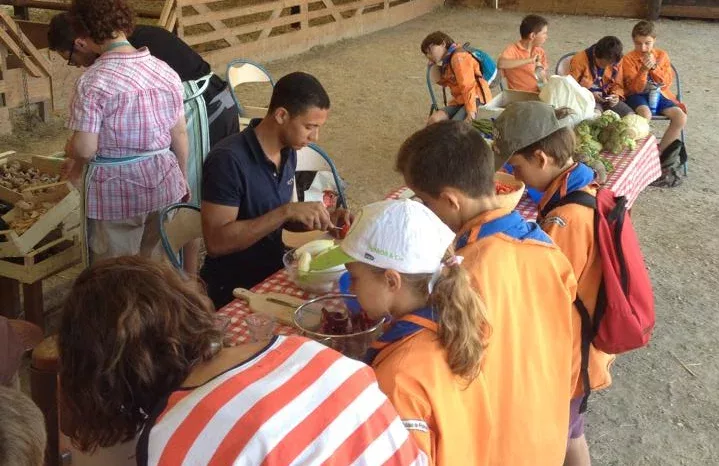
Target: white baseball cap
{"x":401,"y":235}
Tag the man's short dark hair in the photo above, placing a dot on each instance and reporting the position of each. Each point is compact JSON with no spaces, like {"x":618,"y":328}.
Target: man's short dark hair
{"x":298,"y":92}
{"x":609,"y":48}
{"x":448,"y":154}
{"x":532,"y":24}
{"x":60,"y":35}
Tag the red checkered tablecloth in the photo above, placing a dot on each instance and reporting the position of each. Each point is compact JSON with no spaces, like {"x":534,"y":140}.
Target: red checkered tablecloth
{"x":237,"y":310}
{"x":633,"y":171}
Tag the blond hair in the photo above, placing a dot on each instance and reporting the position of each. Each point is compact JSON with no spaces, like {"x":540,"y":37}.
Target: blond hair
{"x":462,"y":325}
{"x":22,"y":430}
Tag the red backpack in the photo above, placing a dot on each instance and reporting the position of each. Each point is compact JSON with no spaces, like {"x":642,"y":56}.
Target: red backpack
{"x":624,"y":316}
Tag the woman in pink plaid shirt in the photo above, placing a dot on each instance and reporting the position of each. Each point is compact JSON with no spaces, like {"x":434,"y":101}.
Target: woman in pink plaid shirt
{"x":129,"y":130}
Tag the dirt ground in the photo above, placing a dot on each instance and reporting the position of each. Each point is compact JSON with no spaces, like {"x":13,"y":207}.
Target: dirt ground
{"x":663,"y":408}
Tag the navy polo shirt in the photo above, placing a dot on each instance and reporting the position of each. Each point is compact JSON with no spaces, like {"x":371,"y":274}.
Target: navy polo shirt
{"x":237,"y":173}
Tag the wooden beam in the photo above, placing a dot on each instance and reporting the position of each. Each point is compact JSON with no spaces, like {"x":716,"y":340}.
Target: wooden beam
{"x":239,"y":12}
{"x":10,"y":43}
{"x":285,"y":45}
{"x":338,"y":10}
{"x":653,"y":9}
{"x":61,"y":6}
{"x":27,"y":46}
{"x":266,"y":32}
{"x":218,"y":26}
{"x":238,"y":30}
{"x":684,"y":11}
{"x":165,"y":13}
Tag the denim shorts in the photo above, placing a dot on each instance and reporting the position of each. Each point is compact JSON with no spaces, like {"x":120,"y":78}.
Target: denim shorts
{"x":637,"y":100}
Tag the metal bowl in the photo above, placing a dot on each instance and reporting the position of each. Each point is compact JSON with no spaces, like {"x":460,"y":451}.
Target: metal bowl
{"x":308,"y":318}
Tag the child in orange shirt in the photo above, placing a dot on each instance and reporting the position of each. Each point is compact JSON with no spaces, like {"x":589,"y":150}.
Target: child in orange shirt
{"x":428,"y":361}
{"x":521,"y":61}
{"x":599,"y":69}
{"x":526,"y":282}
{"x":458,"y":70}
{"x":546,"y":164}
{"x":647,"y":66}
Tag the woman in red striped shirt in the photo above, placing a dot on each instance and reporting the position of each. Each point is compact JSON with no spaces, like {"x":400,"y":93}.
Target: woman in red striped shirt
{"x":141,"y":351}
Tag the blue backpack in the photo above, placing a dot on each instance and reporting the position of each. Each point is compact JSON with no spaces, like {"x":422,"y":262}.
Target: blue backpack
{"x":486,"y":64}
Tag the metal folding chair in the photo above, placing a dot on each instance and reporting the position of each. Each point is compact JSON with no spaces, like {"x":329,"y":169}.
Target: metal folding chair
{"x":679,"y":98}
{"x":562,"y":68}
{"x":312,"y":158}
{"x":241,"y":71}
{"x":178,"y":230}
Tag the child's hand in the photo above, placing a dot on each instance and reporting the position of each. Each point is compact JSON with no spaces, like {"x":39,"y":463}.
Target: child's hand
{"x":599,"y":97}
{"x":471,"y":116}
{"x":537,"y":59}
{"x":612,"y":100}
{"x":648,"y":61}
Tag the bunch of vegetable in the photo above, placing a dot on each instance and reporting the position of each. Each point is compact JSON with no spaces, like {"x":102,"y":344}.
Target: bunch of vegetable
{"x":484,"y":126}
{"x":610,"y":133}
{"x":588,"y":149}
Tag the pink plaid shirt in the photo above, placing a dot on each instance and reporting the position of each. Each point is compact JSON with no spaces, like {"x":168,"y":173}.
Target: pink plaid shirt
{"x":131,"y":100}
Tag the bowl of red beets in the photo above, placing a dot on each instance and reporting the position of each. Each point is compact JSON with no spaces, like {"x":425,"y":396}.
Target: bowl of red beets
{"x":337,"y":321}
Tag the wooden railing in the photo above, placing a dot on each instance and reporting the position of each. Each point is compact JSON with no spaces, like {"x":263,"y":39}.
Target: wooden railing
{"x":280,"y":28}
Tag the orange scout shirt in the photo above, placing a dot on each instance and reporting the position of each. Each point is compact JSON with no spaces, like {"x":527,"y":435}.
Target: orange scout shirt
{"x":448,"y":417}
{"x":522,"y":78}
{"x":529,"y":367}
{"x":571,"y":227}
{"x":635,"y":78}
{"x":580,"y":68}
{"x":464,"y":80}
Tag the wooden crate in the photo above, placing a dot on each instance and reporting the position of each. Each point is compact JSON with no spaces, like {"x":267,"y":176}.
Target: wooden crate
{"x":46,"y":165}
{"x":67,"y":201}
{"x":56,"y":253}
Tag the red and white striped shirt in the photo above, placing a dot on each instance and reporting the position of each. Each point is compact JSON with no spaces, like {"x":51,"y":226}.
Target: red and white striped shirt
{"x":297,"y":402}
{"x":131,"y":101}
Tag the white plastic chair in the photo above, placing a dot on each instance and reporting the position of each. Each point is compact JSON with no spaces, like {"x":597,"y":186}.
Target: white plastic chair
{"x":562,"y":68}
{"x":312,"y":158}
{"x":178,"y":230}
{"x":243,"y":71}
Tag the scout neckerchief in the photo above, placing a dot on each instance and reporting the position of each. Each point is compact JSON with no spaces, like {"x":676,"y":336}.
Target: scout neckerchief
{"x":512,"y":225}
{"x":407,"y":325}
{"x":598,"y":75}
{"x":577,"y":178}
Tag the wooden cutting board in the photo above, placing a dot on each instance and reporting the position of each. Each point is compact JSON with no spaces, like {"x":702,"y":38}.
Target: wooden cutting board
{"x":270,"y":304}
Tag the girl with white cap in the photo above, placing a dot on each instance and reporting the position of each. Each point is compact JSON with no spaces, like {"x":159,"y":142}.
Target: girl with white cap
{"x":428,"y":361}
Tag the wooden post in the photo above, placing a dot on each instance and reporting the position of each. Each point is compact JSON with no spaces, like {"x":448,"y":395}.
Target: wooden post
{"x":653,"y":10}
{"x":32,"y":299}
{"x":9,"y":297}
{"x":21,"y":12}
{"x":43,"y":389}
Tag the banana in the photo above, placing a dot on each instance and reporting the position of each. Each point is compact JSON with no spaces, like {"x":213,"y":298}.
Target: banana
{"x":314,"y":247}
{"x":303,"y":262}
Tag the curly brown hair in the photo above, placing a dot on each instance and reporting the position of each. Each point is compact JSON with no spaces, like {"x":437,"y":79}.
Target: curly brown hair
{"x":130,"y":333}
{"x":101,"y":20}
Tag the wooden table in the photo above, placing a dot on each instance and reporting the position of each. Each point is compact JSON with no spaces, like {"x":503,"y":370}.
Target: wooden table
{"x":633,"y":172}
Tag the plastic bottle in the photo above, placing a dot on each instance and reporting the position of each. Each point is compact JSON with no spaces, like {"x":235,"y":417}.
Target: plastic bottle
{"x":539,"y":74}
{"x":653,"y":97}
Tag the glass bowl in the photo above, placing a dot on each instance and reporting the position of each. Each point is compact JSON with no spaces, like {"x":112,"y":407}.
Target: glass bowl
{"x":308,"y":319}
{"x":314,"y":281}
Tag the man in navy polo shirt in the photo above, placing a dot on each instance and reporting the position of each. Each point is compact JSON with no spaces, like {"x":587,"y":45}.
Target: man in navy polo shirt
{"x":247,"y":187}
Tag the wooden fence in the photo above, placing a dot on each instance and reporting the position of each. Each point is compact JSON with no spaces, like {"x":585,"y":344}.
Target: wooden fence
{"x":266,"y":30}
